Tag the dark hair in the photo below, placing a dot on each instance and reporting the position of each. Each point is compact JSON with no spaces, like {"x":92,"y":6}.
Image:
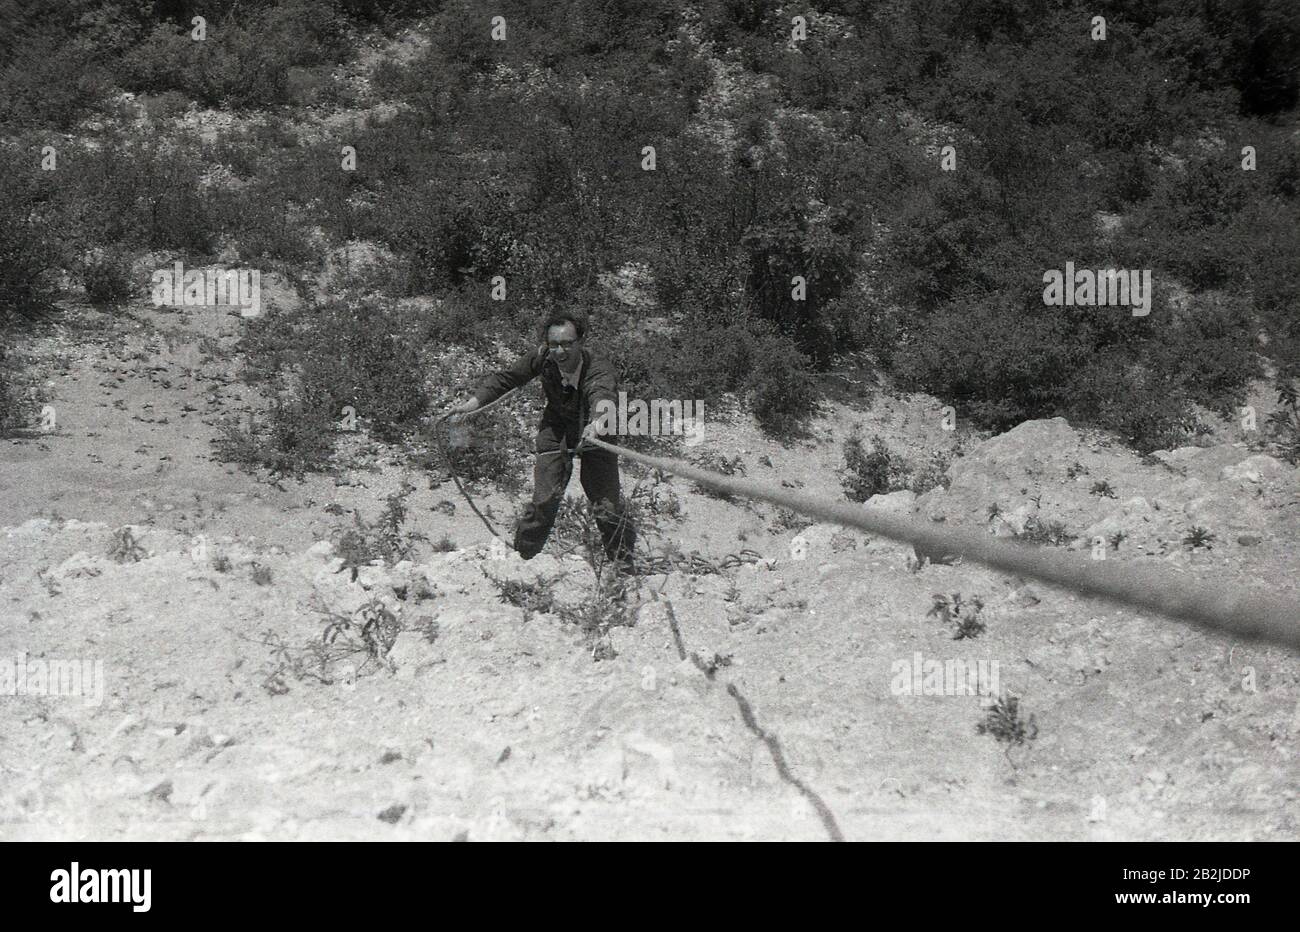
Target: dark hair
{"x":560,"y":318}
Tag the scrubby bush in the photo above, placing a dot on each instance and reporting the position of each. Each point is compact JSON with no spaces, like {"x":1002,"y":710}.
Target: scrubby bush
{"x":871,"y":472}
{"x":932,"y":474}
{"x":292,"y":438}
{"x":749,"y":360}
{"x":812,"y":245}
{"x":1284,"y":423}
{"x":106,"y":275}
{"x":245,"y":60}
{"x":144,"y":191}
{"x":15,"y":409}
{"x":52,"y":60}
{"x":349,"y":353}
{"x":365,"y":355}
{"x":164,"y":106}
{"x":32,"y":245}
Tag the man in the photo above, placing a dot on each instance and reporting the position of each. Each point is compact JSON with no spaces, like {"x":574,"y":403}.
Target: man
{"x":575,"y":381}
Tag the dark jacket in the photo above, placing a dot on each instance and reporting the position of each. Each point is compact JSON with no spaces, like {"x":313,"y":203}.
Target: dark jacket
{"x":569,"y":412}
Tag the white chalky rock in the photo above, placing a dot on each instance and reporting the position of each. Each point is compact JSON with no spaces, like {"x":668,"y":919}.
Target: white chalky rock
{"x":321,"y":550}
{"x":1253,"y":469}
{"x":902,"y":502}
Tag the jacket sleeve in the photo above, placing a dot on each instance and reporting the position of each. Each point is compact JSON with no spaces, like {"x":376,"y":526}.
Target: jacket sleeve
{"x":522,"y":371}
{"x":602,"y":385}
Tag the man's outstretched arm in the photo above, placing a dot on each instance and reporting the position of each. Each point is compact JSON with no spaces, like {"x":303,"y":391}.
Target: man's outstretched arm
{"x":491,"y":387}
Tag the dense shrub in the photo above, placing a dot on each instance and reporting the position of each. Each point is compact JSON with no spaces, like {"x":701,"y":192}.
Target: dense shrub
{"x":780,"y":390}
{"x":292,"y":437}
{"x":871,"y":472}
{"x":143,"y":191}
{"x":816,"y":249}
{"x":33,"y":246}
{"x":748,"y":360}
{"x":48,"y":83}
{"x":258,"y":58}
{"x":999,"y":364}
{"x":15,"y":409}
{"x":361,"y":354}
{"x":106,"y":275}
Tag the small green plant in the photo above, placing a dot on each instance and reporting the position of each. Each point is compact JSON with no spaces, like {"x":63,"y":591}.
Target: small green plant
{"x":1076,"y":469}
{"x":962,"y":615}
{"x":372,"y":629}
{"x":383,"y":539}
{"x":594,"y":616}
{"x":1003,"y":721}
{"x":1117,"y":538}
{"x":444,"y":544}
{"x":787,"y":519}
{"x":1284,"y":423}
{"x":1052,"y":533}
{"x":716,"y":462}
{"x":393,"y":543}
{"x":932,"y":475}
{"x":536,"y":597}
{"x":284,"y":662}
{"x":291,"y":438}
{"x":1103,"y":488}
{"x":655,"y":497}
{"x":871,"y":473}
{"x":124,"y":548}
{"x":261,"y":574}
{"x":1197,"y":538}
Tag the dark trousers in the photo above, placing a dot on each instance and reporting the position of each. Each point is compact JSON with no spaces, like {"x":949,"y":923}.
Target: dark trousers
{"x":552,"y":469}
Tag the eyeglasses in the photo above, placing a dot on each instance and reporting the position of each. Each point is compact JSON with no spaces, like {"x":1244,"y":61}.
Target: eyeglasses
{"x":561,"y":344}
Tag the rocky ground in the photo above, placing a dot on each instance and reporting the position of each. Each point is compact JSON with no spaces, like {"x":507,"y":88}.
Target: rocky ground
{"x":196,"y":587}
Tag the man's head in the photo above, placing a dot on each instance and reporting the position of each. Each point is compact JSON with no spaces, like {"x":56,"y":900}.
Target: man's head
{"x":563,"y":333}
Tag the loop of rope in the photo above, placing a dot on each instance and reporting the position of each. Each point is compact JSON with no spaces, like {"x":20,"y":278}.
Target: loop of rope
{"x":451,"y":468}
{"x":445,"y":447}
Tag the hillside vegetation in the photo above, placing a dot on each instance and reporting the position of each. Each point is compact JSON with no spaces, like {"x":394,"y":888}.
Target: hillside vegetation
{"x":523,"y":161}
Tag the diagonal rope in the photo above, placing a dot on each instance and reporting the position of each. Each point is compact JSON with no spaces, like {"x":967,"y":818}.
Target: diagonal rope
{"x":770,"y":741}
{"x":1249,"y":616}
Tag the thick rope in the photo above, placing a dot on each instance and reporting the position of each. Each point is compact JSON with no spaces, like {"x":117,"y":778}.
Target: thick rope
{"x":1248,"y":616}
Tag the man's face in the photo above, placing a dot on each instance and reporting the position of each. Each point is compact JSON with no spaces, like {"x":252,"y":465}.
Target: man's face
{"x":565,"y":347}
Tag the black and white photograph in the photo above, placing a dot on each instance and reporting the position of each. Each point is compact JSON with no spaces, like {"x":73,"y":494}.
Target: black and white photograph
{"x":650,"y":421}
